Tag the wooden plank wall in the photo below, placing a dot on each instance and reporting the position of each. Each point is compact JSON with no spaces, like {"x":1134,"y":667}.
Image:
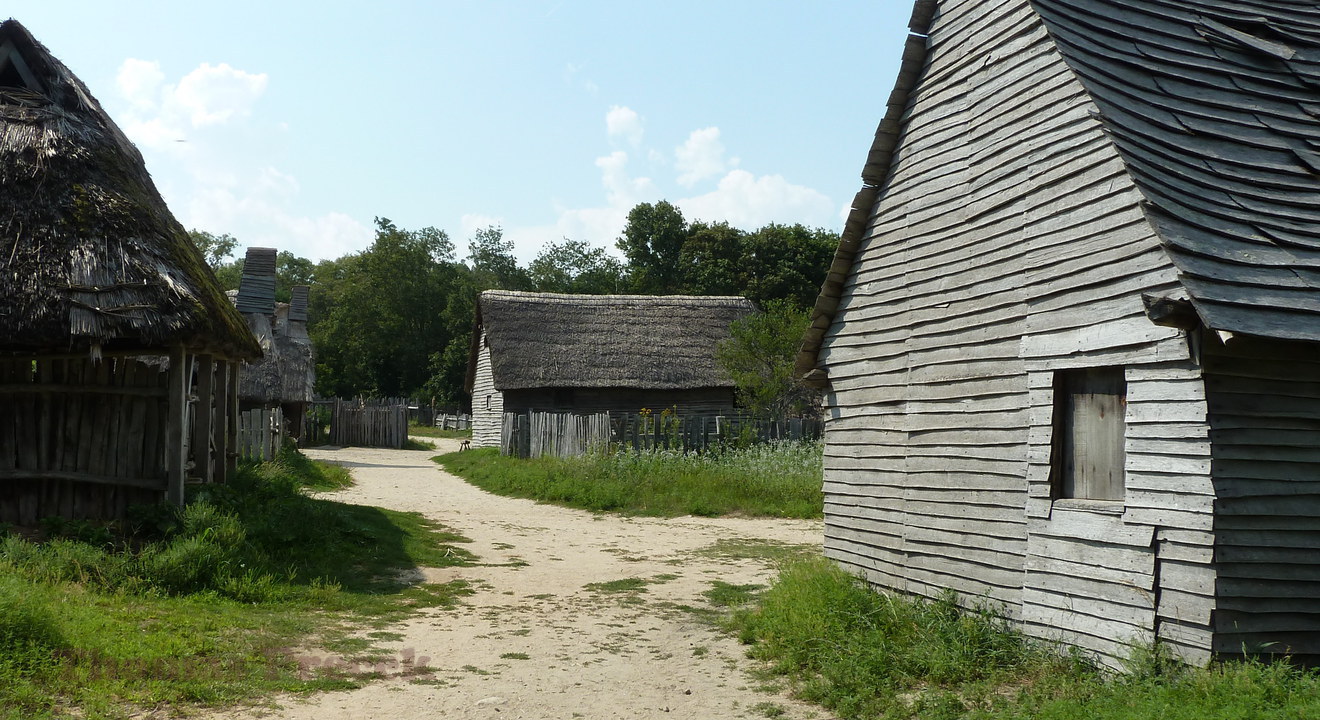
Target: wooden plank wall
{"x":1007,"y":242}
{"x":487,"y":402}
{"x":1264,"y":401}
{"x":355,"y":425}
{"x":80,"y":439}
{"x":1104,"y":575}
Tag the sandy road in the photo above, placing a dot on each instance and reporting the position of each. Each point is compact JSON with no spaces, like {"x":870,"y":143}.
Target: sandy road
{"x":546,"y":635}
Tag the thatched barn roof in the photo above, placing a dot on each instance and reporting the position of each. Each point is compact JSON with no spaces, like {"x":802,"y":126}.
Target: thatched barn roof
{"x":541,"y":340}
{"x":91,"y":259}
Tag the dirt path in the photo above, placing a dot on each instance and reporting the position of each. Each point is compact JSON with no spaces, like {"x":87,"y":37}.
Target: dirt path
{"x":537,"y":640}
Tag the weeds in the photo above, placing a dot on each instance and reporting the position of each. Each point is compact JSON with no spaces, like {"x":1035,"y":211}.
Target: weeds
{"x":871,"y":655}
{"x":772,"y":480}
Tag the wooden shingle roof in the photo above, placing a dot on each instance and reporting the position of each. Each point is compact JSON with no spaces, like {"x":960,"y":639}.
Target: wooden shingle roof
{"x":541,"y":340}
{"x":1214,"y":105}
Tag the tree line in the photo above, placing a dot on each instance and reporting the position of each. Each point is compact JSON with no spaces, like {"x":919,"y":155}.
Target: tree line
{"x":396,"y":318}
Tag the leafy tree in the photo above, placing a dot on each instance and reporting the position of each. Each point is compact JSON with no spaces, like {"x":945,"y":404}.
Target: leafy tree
{"x":759,"y":357}
{"x":712,"y":260}
{"x":215,"y":249}
{"x":218,"y":251}
{"x":381,"y":314}
{"x":574,"y":266}
{"x":493,"y":265}
{"x":652,"y":242}
{"x":291,"y":270}
{"x":787,"y":262}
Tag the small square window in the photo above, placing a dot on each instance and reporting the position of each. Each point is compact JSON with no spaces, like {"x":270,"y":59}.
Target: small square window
{"x":1087,"y":457}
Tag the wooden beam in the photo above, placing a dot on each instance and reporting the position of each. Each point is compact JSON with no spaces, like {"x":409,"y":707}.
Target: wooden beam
{"x":148,"y":483}
{"x":203,"y":418}
{"x":37,"y":388}
{"x":176,"y":421}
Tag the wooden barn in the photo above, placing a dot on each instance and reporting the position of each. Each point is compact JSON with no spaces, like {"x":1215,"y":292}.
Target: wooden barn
{"x":1071,"y":336}
{"x":285,"y":374}
{"x":595,"y":353}
{"x":118,"y":349}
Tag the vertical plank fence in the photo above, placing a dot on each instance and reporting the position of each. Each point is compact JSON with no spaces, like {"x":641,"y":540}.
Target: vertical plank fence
{"x":369,"y":423}
{"x":534,"y":434}
{"x":260,"y":433}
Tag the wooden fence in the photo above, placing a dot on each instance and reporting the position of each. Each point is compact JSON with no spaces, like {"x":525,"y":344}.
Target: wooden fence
{"x":564,"y":434}
{"x":561,"y":434}
{"x":445,"y":421}
{"x":368,"y":423}
{"x":260,"y":433}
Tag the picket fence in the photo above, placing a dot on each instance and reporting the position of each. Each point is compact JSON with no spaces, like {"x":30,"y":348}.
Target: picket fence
{"x":260,"y":433}
{"x":534,"y":434}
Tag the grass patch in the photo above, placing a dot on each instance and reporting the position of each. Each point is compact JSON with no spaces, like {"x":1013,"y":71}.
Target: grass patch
{"x":515,"y":656}
{"x":435,"y":432}
{"x":756,"y":549}
{"x":771,"y":480}
{"x":415,"y":444}
{"x":871,"y":655}
{"x":199,"y":606}
{"x":626,"y":585}
{"x":722,"y":594}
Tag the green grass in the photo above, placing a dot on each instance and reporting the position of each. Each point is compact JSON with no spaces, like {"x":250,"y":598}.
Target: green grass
{"x":198,"y":607}
{"x":870,"y":655}
{"x":774,"y":480}
{"x":435,"y":432}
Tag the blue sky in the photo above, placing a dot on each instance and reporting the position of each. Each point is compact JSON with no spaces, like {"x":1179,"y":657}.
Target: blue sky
{"x":293,"y":125}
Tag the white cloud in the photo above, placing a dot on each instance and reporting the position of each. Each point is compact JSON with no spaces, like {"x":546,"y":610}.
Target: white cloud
{"x":620,"y":188}
{"x":700,"y":157}
{"x":748,"y":201}
{"x":206,"y":150}
{"x":741,"y":198}
{"x":139,"y":82}
{"x":622,"y":123}
{"x":214,"y":95}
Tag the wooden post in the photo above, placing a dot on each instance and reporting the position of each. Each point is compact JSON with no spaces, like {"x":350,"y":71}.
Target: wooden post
{"x":202,"y":419}
{"x":220,"y":429}
{"x":231,"y":397}
{"x":175,"y":426}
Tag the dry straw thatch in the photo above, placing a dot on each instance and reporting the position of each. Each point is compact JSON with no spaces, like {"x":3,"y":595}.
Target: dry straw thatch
{"x":91,"y":259}
{"x":540,"y":340}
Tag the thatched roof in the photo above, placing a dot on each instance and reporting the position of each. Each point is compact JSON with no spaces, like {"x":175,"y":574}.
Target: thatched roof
{"x":90,"y":257}
{"x":634,"y":341}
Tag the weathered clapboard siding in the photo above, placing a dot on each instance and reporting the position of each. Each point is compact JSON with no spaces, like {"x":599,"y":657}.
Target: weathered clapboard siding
{"x":1000,"y":242}
{"x":1265,"y":425}
{"x":487,"y":402}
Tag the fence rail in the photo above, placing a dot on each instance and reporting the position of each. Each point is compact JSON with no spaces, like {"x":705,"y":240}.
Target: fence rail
{"x":564,"y":434}
{"x":445,"y":421}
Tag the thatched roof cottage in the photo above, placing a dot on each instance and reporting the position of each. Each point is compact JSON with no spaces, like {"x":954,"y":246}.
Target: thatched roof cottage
{"x":111,"y":319}
{"x":594,"y":353}
{"x":1071,"y":336}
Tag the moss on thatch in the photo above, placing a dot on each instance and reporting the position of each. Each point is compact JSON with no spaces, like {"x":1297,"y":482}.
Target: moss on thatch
{"x":90,"y":256}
